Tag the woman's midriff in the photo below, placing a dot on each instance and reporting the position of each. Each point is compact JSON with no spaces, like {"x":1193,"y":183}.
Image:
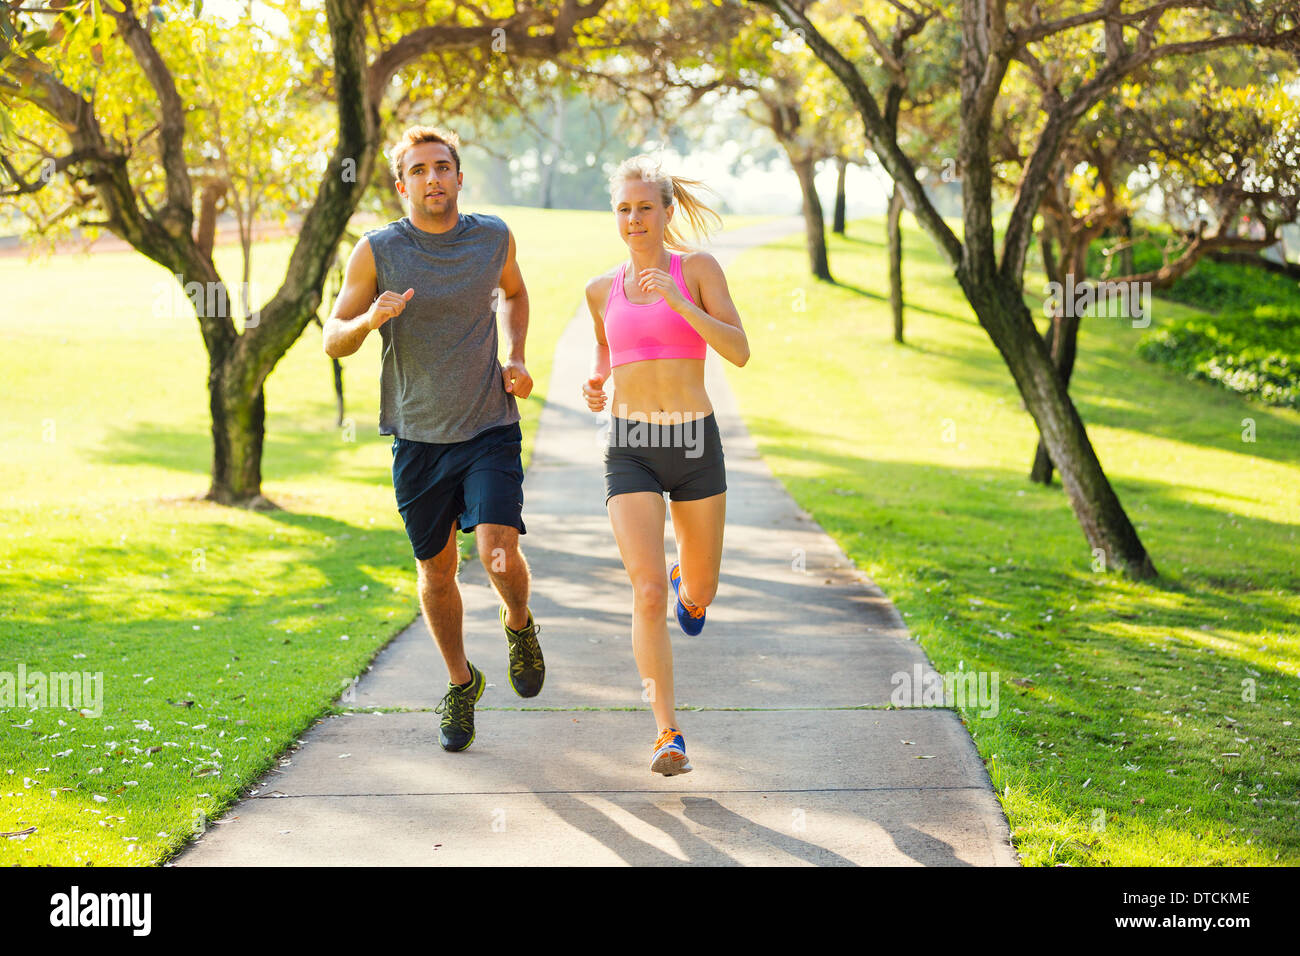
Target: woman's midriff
{"x":661,"y":391}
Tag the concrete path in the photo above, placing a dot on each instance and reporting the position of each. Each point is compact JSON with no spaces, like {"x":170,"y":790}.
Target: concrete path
{"x":785,"y":772}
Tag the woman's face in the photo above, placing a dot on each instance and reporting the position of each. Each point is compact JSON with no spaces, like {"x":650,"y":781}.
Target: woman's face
{"x":640,"y":215}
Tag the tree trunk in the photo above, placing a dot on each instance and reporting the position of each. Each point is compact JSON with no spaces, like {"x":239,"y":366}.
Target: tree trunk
{"x":1062,"y":344}
{"x":1062,"y":339}
{"x":205,"y":233}
{"x":1126,"y":254}
{"x":841,"y":169}
{"x":502,"y":184}
{"x":1041,"y":470}
{"x":1001,"y":310}
{"x":895,"y":238}
{"x":553,"y":153}
{"x":814,"y":223}
{"x":338,"y":389}
{"x":238,"y":418}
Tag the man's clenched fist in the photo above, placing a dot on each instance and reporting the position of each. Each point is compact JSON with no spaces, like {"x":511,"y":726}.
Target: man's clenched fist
{"x":516,"y":379}
{"x":387,"y":306}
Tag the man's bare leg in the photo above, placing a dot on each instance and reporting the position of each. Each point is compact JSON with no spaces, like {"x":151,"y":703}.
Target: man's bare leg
{"x":498,"y":549}
{"x":443,"y":612}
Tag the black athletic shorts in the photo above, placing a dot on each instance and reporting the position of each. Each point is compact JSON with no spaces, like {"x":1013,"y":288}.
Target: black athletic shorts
{"x":477,"y":481}
{"x":684,"y":460}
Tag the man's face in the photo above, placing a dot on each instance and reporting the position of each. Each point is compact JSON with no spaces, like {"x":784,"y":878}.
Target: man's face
{"x":430,"y":181}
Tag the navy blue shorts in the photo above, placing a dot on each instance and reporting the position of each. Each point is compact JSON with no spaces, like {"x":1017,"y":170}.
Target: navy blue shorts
{"x":472,"y":482}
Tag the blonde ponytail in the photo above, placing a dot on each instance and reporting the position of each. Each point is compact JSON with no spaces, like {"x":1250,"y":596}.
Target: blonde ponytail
{"x":673,"y":190}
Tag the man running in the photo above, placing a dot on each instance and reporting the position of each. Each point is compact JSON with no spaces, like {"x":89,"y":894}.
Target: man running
{"x":429,"y":283}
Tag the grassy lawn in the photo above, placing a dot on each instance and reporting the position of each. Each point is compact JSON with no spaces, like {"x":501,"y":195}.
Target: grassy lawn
{"x":1148,"y":724}
{"x":220,"y":634}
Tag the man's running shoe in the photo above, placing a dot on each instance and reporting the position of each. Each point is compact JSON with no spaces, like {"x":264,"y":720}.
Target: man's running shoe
{"x":690,"y":619}
{"x":527,"y":668}
{"x":670,"y":754}
{"x":457,"y":708}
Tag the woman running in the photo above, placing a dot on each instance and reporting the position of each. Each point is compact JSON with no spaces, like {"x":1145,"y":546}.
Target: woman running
{"x":654,"y":318}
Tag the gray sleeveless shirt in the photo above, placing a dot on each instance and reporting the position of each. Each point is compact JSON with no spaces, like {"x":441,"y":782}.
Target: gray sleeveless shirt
{"x":440,"y":380}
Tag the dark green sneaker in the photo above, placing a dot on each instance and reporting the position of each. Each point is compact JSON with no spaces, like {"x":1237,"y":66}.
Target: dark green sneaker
{"x":527,"y":669}
{"x":456,"y":732}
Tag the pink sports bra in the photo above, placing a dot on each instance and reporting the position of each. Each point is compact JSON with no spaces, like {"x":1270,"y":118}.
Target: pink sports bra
{"x":651,"y":330}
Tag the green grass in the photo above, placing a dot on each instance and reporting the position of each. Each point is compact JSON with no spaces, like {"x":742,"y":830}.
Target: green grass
{"x":113,"y":565}
{"x":1153,"y":723}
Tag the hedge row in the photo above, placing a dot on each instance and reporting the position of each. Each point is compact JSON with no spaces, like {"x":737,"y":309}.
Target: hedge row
{"x":1254,"y":352}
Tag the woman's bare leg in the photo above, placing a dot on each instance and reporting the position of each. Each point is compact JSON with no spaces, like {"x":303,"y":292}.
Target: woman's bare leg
{"x":638,"y":521}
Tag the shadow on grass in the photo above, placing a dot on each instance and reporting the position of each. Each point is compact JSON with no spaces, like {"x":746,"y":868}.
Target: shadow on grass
{"x":287,"y":454}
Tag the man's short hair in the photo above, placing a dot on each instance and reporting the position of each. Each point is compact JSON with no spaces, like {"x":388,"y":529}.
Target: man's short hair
{"x":422,"y":134}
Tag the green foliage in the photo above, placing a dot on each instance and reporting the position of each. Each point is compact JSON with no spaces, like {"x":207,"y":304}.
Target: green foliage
{"x":1253,"y":352}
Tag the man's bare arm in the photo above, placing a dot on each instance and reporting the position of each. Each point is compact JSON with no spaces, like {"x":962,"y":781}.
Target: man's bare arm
{"x":357,"y":312}
{"x":512,"y":310}
{"x":514,"y":299}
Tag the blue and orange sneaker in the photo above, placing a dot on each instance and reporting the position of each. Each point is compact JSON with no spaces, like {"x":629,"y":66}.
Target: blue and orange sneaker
{"x":690,"y":619}
{"x":670,"y":754}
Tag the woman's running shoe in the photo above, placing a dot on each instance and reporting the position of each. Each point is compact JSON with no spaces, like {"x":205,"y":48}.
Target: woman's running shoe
{"x":690,"y":619}
{"x":670,"y":754}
